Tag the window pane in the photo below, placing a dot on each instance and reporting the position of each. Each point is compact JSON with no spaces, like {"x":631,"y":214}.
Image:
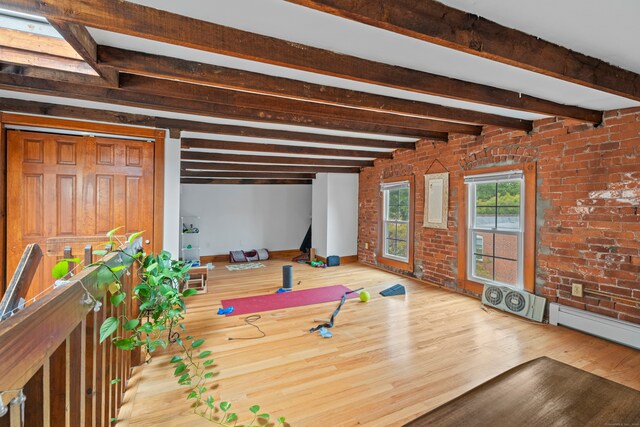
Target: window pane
{"x":486,"y":194}
{"x":484,"y":267}
{"x":394,"y":212}
{"x":507,"y":246}
{"x":403,"y":214}
{"x":509,"y":193}
{"x":402,"y":232}
{"x":403,"y":198}
{"x":401,"y":249}
{"x":508,"y":218}
{"x":391,"y":230}
{"x":485,"y":217}
{"x":394,"y":197}
{"x":486,"y":239}
{"x":506,"y":271}
{"x":391,"y":247}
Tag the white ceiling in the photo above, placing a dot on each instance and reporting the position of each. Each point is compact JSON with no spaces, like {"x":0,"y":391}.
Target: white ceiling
{"x":284,"y":20}
{"x":606,"y":30}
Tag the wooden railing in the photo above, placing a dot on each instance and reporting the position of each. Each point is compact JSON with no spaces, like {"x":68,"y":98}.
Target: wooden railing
{"x":50,"y":353}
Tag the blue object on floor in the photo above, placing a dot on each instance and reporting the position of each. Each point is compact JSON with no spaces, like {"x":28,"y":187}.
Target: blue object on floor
{"x":283,"y":290}
{"x":325,"y":333}
{"x":227,"y":310}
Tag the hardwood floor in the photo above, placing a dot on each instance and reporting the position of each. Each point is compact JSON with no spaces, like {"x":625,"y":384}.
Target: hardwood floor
{"x":389,"y":361}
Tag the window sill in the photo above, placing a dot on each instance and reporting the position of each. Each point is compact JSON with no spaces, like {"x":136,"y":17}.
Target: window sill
{"x":406,"y":266}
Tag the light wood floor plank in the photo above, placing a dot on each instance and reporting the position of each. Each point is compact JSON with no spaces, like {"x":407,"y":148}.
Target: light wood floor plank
{"x":390,"y":360}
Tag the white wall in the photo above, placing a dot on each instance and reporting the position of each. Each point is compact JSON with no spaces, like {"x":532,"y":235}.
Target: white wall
{"x":335,"y":214}
{"x":342,"y":214}
{"x":244,"y":217}
{"x":319,"y":217}
{"x":171,"y":226}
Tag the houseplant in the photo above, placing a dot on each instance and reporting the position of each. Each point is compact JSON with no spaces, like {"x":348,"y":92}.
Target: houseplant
{"x":159,"y":323}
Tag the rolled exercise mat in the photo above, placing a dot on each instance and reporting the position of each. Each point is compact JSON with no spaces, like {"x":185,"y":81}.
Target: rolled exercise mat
{"x":287,"y":276}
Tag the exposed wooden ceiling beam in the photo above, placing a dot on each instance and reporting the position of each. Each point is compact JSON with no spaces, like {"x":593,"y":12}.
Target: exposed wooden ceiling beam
{"x":24,"y":57}
{"x":38,"y":43}
{"x":146,"y":22}
{"x":59,"y":110}
{"x":242,"y":158}
{"x":280,"y":148}
{"x":166,"y":103}
{"x":245,"y":181}
{"x":191,"y":92}
{"x":197,"y":72}
{"x":437,"y":23}
{"x":212,"y":166}
{"x":79,"y":38}
{"x":51,"y":74}
{"x":253,"y":132}
{"x":285,"y":175}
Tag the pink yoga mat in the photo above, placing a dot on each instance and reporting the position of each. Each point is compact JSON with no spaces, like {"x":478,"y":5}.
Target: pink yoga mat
{"x":275,"y":301}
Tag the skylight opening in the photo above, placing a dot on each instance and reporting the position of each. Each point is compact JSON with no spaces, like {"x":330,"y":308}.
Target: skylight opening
{"x":29,"y":40}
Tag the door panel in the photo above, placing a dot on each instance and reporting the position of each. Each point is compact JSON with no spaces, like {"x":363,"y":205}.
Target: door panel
{"x":70,"y":190}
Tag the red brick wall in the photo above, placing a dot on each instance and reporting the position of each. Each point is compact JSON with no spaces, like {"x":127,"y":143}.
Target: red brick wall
{"x":588,"y":206}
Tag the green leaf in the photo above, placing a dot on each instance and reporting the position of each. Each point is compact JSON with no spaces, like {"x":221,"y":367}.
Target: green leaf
{"x":254,"y":409}
{"x":108,"y":327}
{"x":130,"y":325}
{"x":112,"y":232}
{"x":225,"y":406}
{"x":208,"y":362}
{"x":264,"y":416}
{"x":180,"y":369}
{"x":115,"y":381}
{"x":192,"y":395}
{"x":60,"y":269}
{"x":210,"y":401}
{"x":134,"y":236}
{"x":189,"y":292}
{"x":125,"y":344}
{"x":117,"y":299}
{"x":231,"y":417}
{"x":281,"y":420}
{"x":100,"y":252}
{"x":117,"y":268}
{"x":175,"y":359}
{"x":208,"y":375}
{"x":197,"y":343}
{"x":204,"y":354}
{"x":114,"y":419}
{"x":147,"y":327}
{"x":183,"y":377}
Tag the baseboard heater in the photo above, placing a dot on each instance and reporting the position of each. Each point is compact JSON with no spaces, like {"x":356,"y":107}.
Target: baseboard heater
{"x":619,"y":331}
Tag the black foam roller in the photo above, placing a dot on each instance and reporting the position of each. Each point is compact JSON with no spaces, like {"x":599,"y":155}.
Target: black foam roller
{"x":287,"y":276}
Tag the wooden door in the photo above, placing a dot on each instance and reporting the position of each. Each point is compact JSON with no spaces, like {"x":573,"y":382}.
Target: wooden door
{"x":67,"y":190}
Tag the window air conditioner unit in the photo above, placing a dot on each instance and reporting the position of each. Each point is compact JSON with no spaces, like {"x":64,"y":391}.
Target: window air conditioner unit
{"x":514,"y":301}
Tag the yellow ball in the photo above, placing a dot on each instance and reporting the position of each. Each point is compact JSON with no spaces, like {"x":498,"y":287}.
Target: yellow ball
{"x":365,"y":296}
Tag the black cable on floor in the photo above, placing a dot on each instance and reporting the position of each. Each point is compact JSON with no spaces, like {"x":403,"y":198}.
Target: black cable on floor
{"x":251,"y":320}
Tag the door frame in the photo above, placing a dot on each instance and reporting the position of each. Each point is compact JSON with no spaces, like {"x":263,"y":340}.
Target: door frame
{"x":157,"y":135}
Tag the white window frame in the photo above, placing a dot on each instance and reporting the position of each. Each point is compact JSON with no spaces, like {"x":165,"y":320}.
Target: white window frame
{"x":472,"y":228}
{"x":385,"y":195}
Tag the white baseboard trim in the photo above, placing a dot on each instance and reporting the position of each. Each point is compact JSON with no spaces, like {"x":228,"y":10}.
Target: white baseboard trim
{"x":619,"y":331}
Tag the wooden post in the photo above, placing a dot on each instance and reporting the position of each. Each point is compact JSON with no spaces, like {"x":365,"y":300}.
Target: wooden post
{"x":68,"y":254}
{"x":88,"y":255}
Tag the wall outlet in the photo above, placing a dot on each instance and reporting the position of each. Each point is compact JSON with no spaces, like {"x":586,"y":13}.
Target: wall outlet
{"x":366,"y":245}
{"x":577,"y":290}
